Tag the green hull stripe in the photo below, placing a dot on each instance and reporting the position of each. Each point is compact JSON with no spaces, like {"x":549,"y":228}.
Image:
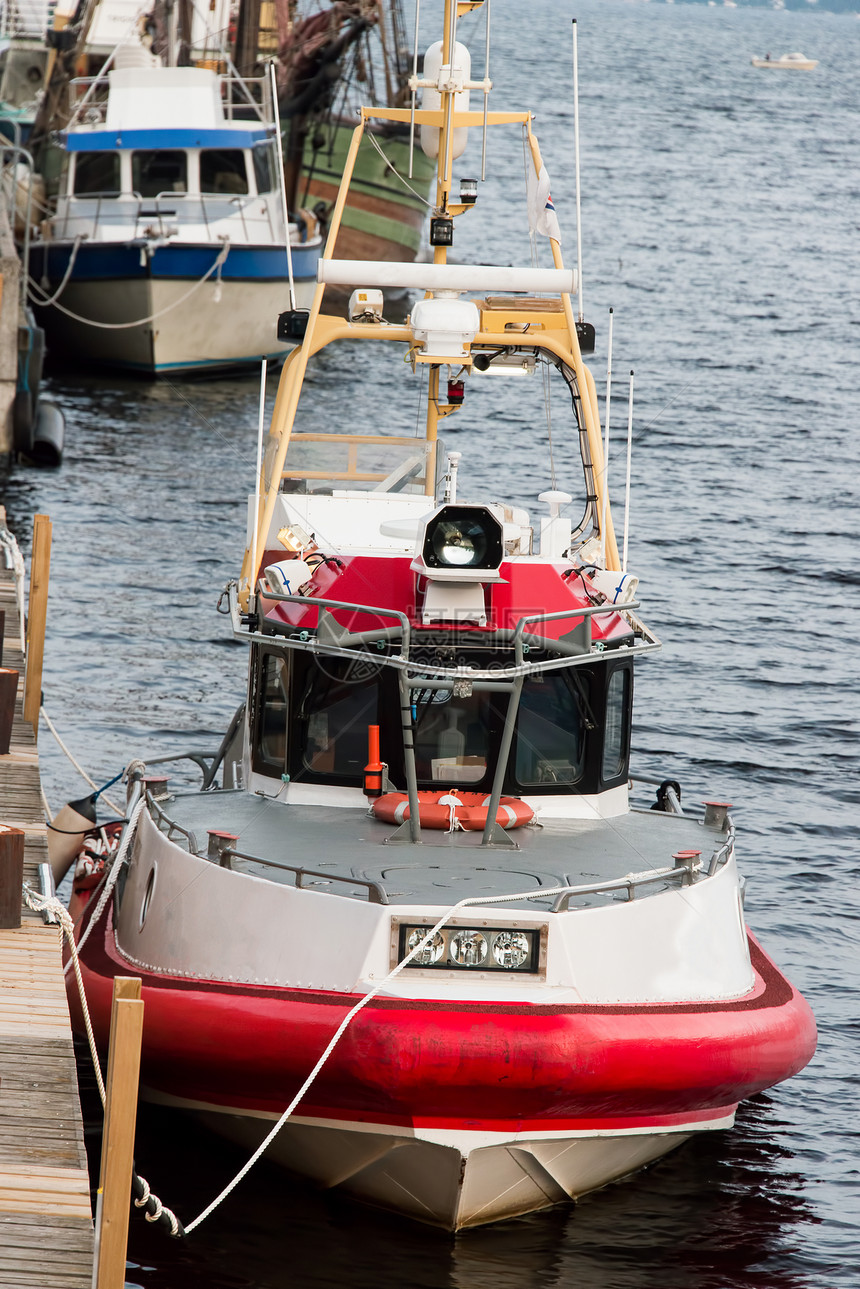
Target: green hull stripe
{"x":394,"y":230}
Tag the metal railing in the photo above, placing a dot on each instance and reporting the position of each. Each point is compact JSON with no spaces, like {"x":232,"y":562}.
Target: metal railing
{"x":342,"y":643}
{"x":238,"y":97}
{"x":375,"y":891}
{"x":133,"y":209}
{"x":169,"y":827}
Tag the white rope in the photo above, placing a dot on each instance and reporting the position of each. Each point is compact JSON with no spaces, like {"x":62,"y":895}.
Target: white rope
{"x":80,"y":769}
{"x":112,"y":876}
{"x":347,"y":1021}
{"x":139,"y":322}
{"x":395,"y":171}
{"x":10,"y":544}
{"x":50,"y":904}
{"x":68,"y":273}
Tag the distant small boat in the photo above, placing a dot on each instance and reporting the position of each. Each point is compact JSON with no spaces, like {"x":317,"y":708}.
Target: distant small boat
{"x":788,"y":62}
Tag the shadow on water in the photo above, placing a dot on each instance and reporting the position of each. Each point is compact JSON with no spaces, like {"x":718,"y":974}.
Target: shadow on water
{"x":724,"y":1210}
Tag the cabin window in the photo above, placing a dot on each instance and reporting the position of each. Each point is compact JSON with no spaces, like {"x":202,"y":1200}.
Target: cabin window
{"x":157,"y":172}
{"x":616,"y":724}
{"x":263,"y":167}
{"x":450,"y":737}
{"x":271,"y":731}
{"x":97,"y":174}
{"x":550,"y":738}
{"x":222,"y":170}
{"x":337,"y":703}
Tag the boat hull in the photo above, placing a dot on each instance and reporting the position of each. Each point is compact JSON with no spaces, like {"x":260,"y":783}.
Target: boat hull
{"x":455,"y":1111}
{"x":187,"y":325}
{"x":473,"y":1180}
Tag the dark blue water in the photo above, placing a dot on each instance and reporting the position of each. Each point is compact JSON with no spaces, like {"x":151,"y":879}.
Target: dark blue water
{"x":720,"y":223}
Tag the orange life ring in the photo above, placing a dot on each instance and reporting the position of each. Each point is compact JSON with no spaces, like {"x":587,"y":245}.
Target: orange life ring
{"x":447,"y":809}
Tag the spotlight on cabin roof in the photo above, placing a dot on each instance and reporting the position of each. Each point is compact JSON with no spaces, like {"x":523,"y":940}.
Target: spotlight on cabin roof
{"x":460,"y":543}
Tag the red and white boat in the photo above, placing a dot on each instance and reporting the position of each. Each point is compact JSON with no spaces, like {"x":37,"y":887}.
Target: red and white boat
{"x":413,"y":906}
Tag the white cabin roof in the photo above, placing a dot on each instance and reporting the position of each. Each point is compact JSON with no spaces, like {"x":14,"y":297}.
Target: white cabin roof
{"x":163,"y":97}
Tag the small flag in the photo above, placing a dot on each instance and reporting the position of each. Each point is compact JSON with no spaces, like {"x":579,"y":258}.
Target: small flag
{"x":542,"y":216}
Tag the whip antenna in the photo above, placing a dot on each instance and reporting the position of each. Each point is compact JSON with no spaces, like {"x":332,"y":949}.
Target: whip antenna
{"x":261,"y":419}
{"x":282,"y":182}
{"x":413,"y":85}
{"x":627,"y":486}
{"x":576,"y":161}
{"x":486,"y":96}
{"x":606,"y":447}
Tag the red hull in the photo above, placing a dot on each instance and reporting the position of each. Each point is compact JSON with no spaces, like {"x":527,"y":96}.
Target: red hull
{"x":500,"y":1067}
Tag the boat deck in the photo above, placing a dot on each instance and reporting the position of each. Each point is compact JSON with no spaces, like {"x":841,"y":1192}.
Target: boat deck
{"x":331,"y":846}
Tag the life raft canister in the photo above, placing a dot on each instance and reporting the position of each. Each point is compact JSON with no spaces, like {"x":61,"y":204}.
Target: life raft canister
{"x":448,"y":810}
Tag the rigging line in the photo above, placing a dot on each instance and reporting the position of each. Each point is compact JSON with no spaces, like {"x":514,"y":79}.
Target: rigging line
{"x":546,"y":376}
{"x":657,"y":415}
{"x":391,"y":166}
{"x":80,"y":769}
{"x":533,"y":246}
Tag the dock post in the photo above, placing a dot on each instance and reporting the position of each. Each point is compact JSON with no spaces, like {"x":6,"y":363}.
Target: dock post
{"x":126,"y":1029}
{"x":11,"y":875}
{"x":37,"y":616}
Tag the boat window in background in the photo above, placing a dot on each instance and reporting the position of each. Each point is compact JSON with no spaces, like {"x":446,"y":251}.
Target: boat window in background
{"x":615,"y":736}
{"x":97,"y":173}
{"x":223,"y":170}
{"x":263,"y":167}
{"x":550,"y":732}
{"x":153,"y":173}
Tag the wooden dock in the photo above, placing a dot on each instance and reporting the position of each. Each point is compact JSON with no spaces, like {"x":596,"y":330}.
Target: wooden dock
{"x":46,"y":1226}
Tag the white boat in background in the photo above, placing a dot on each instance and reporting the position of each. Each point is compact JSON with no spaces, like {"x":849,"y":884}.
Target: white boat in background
{"x":787,"y":62}
{"x":168,"y":249}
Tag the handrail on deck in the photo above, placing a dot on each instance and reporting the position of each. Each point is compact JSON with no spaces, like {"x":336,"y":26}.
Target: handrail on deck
{"x":375,"y":890}
{"x":306,"y":638}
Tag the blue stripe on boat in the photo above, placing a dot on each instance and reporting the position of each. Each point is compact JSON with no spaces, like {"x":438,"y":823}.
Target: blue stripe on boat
{"x":101,"y":261}
{"x":239,"y":136}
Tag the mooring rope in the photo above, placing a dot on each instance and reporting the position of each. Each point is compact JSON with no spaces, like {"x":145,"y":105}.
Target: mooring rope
{"x":347,"y":1021}
{"x":110,"y":882}
{"x":139,"y":322}
{"x":80,"y":769}
{"x":143,"y":1195}
{"x":68,"y":273}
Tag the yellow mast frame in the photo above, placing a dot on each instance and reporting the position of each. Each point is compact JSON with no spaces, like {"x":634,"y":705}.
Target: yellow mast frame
{"x":323,"y":329}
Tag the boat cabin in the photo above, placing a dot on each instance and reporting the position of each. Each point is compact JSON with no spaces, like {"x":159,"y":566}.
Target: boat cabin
{"x":543,"y":700}
{"x":572,"y":727}
{"x":168,"y":142}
